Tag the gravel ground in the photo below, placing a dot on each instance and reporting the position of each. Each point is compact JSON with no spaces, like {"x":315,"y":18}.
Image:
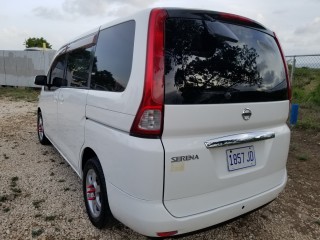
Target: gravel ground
{"x":41,"y":196}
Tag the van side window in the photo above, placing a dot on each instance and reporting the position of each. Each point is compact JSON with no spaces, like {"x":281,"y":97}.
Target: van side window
{"x":78,"y":66}
{"x":57,"y":72}
{"x":113,"y":58}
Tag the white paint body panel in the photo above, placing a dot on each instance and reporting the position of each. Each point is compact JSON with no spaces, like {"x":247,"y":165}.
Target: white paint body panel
{"x":204,"y":184}
{"x":71,"y":123}
{"x":48,"y":103}
{"x":134,"y":165}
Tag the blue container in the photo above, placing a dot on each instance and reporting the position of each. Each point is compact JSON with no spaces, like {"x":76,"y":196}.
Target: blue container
{"x":294,"y":114}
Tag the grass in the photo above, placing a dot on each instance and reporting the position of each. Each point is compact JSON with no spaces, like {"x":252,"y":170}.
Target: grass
{"x":16,"y":190}
{"x":13,"y":186}
{"x":13,"y":183}
{"x":302,"y":157}
{"x":14,"y":179}
{"x":306,"y":93}
{"x":50,"y":218}
{"x":6,"y":210}
{"x":19,"y":93}
{"x":3,"y":198}
{"x":309,"y":117}
{"x":37,"y":203}
{"x":37,"y":232}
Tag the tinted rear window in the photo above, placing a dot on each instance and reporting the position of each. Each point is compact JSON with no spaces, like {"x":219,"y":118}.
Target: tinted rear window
{"x":113,"y":58}
{"x":210,"y":62}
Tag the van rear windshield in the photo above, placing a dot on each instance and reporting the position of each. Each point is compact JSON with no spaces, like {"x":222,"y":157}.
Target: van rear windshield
{"x":212,"y":62}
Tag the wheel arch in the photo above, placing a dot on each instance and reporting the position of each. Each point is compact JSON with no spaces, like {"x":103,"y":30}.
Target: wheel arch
{"x":87,"y":153}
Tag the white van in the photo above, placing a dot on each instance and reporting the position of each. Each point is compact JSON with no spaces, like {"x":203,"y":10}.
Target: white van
{"x":175,"y":119}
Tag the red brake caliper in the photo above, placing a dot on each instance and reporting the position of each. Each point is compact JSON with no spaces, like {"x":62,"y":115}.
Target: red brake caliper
{"x":91,"y":192}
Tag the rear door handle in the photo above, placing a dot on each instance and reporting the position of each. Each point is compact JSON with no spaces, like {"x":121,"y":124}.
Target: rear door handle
{"x":238,"y":139}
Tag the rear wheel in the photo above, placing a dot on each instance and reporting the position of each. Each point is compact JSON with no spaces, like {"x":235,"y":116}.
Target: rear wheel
{"x":41,"y":136}
{"x":95,"y":194}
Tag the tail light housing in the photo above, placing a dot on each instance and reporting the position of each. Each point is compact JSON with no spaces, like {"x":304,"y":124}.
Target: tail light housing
{"x":285,"y":67}
{"x":149,"y":118}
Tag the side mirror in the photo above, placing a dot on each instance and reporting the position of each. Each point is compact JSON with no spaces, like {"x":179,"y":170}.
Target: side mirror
{"x":40,"y":80}
{"x":59,"y":82}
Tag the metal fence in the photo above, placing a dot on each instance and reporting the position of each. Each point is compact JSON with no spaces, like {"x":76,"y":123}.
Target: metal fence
{"x":302,"y":61}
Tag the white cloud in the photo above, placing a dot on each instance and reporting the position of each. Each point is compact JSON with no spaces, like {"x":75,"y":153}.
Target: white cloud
{"x":260,"y":17}
{"x":48,"y":13}
{"x":12,"y":36}
{"x":12,"y":32}
{"x":72,"y":9}
{"x":85,"y":8}
{"x":309,"y":28}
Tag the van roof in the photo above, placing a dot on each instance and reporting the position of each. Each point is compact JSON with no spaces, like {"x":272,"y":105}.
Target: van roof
{"x":194,"y":12}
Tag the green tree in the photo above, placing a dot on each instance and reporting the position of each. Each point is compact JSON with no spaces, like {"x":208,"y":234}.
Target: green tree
{"x":36,"y":42}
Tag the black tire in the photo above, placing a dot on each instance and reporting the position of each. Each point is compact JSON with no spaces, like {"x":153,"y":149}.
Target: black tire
{"x":41,"y":135}
{"x":98,"y":208}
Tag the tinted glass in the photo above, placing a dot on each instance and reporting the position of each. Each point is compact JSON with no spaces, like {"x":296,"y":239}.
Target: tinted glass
{"x":216,"y":62}
{"x":78,"y":67}
{"x":57,"y":71}
{"x":113,"y":58}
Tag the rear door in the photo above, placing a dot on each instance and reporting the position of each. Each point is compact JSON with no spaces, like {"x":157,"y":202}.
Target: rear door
{"x":226,"y":105}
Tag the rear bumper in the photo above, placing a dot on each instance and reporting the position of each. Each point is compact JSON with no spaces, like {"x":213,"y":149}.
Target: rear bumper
{"x":150,"y":217}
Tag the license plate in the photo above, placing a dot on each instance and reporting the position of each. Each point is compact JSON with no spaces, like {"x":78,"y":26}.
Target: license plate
{"x":239,"y":158}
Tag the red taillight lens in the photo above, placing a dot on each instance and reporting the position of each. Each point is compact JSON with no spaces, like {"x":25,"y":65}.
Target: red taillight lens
{"x":166,"y":234}
{"x":149,"y":118}
{"x":285,"y":66}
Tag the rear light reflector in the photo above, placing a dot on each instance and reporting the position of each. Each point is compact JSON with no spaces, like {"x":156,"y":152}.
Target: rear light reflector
{"x":148,"y":121}
{"x":167,"y":234}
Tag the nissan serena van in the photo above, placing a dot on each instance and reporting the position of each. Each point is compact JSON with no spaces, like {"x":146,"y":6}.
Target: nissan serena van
{"x":175,"y":119}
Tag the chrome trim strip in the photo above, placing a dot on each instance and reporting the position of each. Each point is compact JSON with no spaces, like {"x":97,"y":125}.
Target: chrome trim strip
{"x":238,"y":139}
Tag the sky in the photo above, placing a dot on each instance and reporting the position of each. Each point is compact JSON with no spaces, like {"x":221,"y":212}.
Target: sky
{"x":296,"y":22}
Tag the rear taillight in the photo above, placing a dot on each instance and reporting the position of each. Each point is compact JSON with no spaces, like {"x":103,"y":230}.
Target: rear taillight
{"x":149,"y":118}
{"x":285,"y":66}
